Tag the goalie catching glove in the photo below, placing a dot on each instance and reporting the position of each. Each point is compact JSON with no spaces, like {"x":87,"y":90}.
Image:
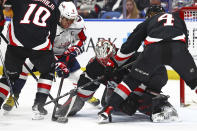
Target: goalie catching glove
{"x":61,"y":69}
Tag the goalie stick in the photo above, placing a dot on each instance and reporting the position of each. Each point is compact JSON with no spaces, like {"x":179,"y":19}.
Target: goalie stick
{"x":64,"y":119}
{"x":68,"y":93}
{"x":73,"y":98}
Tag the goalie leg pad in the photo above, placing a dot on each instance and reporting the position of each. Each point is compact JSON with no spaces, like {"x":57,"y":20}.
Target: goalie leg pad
{"x":78,"y":104}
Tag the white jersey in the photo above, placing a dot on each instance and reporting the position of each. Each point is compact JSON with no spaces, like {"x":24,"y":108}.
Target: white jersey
{"x":72,"y":36}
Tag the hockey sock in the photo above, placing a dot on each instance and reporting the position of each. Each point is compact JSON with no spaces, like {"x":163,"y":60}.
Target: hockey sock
{"x":115,"y":100}
{"x":41,"y":98}
{"x":18,"y":86}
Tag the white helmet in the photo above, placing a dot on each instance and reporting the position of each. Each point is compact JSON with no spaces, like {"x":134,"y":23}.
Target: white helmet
{"x":68,"y":10}
{"x":104,"y":49}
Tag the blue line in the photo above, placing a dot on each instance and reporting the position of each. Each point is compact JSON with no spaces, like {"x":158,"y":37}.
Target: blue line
{"x":113,"y":20}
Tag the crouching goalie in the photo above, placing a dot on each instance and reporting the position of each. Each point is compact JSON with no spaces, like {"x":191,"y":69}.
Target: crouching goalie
{"x":144,"y":100}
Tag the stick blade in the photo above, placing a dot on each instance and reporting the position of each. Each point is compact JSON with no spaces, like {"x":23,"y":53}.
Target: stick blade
{"x":62,"y":119}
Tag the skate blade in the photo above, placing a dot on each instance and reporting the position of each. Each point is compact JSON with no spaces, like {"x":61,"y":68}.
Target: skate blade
{"x":171,"y":119}
{"x":37,"y":116}
{"x":102,"y":120}
{"x":5,"y":113}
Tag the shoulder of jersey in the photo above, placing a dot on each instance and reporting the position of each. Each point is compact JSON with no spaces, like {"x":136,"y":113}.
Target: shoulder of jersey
{"x":59,"y":29}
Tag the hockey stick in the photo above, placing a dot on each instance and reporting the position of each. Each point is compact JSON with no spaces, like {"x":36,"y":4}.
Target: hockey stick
{"x":64,"y":119}
{"x":54,"y":118}
{"x":26,"y":66}
{"x":72,"y":99}
{"x":8,"y":79}
{"x":89,"y":83}
{"x":34,"y":76}
{"x":68,"y":93}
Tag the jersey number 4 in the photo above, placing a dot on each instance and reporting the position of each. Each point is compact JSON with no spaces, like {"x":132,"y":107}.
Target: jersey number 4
{"x":169,"y":20}
{"x":37,"y":19}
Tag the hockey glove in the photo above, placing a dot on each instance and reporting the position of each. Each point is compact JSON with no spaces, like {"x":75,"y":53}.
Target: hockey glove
{"x":62,"y":69}
{"x":72,"y":51}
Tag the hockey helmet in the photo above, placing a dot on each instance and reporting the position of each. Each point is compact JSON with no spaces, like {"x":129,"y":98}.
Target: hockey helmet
{"x":68,"y":10}
{"x":104,"y":50}
{"x":153,"y":10}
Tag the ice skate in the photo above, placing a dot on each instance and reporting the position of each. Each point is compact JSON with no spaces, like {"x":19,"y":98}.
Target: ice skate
{"x":104,"y":115}
{"x":8,"y":106}
{"x":168,"y":114}
{"x":38,"y":112}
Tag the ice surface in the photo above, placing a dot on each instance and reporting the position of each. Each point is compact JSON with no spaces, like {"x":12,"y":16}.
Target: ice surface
{"x":20,"y":119}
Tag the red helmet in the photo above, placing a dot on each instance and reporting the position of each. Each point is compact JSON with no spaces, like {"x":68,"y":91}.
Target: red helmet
{"x":104,"y":50}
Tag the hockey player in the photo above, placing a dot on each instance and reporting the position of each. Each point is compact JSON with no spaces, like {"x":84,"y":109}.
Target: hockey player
{"x":31,"y":35}
{"x":139,"y":101}
{"x":69,"y":43}
{"x":2,"y":20}
{"x":165,"y":37}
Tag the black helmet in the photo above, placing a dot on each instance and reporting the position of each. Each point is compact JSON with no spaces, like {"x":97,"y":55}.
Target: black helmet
{"x":153,"y":10}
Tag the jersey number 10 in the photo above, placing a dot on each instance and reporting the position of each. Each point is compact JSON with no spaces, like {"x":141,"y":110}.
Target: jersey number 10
{"x":37,"y":19}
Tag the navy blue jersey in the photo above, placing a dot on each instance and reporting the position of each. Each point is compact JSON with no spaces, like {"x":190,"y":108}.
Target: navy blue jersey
{"x":34,"y":24}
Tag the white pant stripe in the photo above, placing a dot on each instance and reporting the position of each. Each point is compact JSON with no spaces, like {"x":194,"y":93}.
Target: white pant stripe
{"x":45,"y":81}
{"x":85,"y":92}
{"x":121,"y":93}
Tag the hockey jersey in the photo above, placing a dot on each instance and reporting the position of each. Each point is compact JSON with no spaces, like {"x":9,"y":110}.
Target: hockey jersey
{"x":2,"y":20}
{"x":34,"y":24}
{"x":161,"y":27}
{"x":72,"y":36}
{"x":100,"y":69}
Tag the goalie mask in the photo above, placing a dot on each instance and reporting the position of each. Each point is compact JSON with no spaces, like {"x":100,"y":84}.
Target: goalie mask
{"x":153,"y":10}
{"x":104,"y":50}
